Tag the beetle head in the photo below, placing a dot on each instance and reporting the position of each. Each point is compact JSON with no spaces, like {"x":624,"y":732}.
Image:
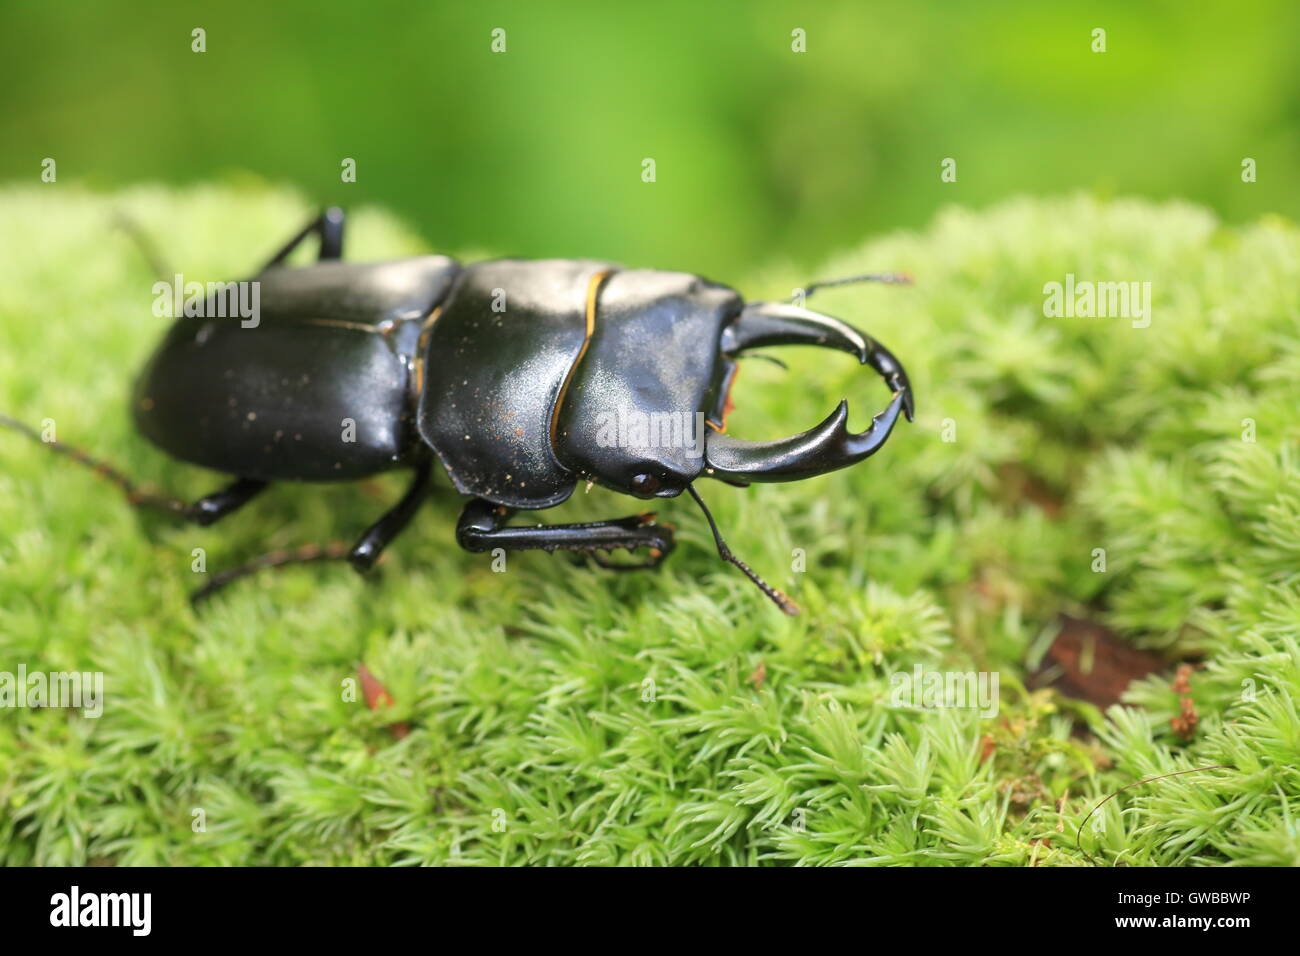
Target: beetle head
{"x":634,"y":413}
{"x":642,"y":408}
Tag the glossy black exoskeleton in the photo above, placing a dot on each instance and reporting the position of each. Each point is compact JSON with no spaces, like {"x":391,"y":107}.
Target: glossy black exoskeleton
{"x":521,"y":378}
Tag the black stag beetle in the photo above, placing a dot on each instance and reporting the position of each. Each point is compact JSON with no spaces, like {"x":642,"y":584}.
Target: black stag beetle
{"x":520,"y":377}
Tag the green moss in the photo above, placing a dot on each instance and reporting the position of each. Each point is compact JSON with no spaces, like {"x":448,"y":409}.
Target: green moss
{"x":566,"y":715}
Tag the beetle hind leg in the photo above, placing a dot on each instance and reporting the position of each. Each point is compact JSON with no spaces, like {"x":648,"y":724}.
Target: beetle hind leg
{"x":362,"y":555}
{"x":214,"y":507}
{"x":205,"y":511}
{"x":140,"y":496}
{"x":306,"y":554}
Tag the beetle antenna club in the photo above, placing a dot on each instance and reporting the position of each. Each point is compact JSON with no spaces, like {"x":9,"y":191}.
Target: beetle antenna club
{"x":779,"y":598}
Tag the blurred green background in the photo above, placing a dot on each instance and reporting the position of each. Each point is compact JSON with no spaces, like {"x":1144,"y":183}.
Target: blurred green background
{"x":763,"y":155}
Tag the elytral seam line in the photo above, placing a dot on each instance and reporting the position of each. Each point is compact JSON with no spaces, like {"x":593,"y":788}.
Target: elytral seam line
{"x":593,"y":291}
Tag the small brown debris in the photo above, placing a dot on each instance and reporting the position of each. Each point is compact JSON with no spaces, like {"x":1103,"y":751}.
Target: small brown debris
{"x":1021,"y":484}
{"x":1185,"y":722}
{"x":377,"y":695}
{"x":759,"y":675}
{"x":1088,"y":662}
{"x":1025,"y":791}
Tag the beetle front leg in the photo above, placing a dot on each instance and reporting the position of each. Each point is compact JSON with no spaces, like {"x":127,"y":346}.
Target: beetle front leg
{"x":482,"y":527}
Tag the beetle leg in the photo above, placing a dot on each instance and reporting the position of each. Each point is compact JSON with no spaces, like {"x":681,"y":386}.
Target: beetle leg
{"x":328,"y":226}
{"x":380,"y":535}
{"x":482,"y":528}
{"x":139,"y":496}
{"x":306,"y":554}
{"x":217,"y":505}
{"x":205,"y":511}
{"x":144,"y":245}
{"x":608,"y":565}
{"x":361,"y":555}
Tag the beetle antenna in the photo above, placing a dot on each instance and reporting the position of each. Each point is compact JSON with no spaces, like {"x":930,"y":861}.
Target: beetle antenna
{"x":779,"y":598}
{"x":135,"y":494}
{"x":889,"y":278}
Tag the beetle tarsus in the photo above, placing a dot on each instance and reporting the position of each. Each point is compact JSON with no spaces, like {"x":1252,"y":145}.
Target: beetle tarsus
{"x":656,"y":558}
{"x":205,"y":511}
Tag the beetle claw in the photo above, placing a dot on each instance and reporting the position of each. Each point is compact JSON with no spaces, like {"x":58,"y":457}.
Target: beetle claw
{"x":829,"y":446}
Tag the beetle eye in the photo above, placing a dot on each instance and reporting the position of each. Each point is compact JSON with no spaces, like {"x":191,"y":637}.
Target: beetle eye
{"x":645,"y":484}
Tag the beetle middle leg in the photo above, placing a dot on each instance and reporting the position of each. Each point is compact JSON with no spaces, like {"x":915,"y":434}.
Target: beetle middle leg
{"x":482,"y":527}
{"x":380,"y":535}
